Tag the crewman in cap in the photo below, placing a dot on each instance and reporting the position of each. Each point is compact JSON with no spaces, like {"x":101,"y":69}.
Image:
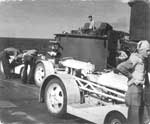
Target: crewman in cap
{"x":135,"y":68}
{"x":54,"y":50}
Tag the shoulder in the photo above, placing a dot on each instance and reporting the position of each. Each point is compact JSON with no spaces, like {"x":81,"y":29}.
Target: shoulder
{"x":10,"y":49}
{"x":135,"y":58}
{"x":31,"y":52}
{"x":34,"y":50}
{"x":130,"y":63}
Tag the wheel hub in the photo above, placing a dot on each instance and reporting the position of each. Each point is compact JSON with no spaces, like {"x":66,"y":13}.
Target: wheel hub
{"x":40,"y":74}
{"x":55,"y":98}
{"x":115,"y":121}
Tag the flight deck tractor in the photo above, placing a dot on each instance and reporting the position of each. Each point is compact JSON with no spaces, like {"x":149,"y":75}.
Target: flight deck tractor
{"x":84,"y":84}
{"x":76,"y":74}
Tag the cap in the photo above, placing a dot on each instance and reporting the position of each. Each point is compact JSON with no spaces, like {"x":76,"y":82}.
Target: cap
{"x":90,"y":16}
{"x":143,"y":44}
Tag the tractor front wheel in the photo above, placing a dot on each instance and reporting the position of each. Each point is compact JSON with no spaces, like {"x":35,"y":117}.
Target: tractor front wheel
{"x":56,"y":97}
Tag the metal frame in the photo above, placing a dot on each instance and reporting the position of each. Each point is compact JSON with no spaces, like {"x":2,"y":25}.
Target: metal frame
{"x":99,"y":90}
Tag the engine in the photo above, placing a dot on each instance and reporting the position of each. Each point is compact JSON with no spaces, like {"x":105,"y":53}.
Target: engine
{"x":76,"y":67}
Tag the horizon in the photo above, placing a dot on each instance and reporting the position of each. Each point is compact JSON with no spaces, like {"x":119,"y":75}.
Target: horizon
{"x":43,"y":19}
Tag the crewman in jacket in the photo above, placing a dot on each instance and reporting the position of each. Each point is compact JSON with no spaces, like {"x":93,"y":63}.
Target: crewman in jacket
{"x":135,"y":69}
{"x":29,"y":58}
{"x":5,"y":58}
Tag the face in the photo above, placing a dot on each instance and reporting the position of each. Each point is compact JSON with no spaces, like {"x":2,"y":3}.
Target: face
{"x":145,"y":52}
{"x":90,"y":18}
{"x":53,"y":46}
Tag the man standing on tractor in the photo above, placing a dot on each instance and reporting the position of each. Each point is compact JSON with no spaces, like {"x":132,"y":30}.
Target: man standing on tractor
{"x":91,"y":22}
{"x":135,"y":68}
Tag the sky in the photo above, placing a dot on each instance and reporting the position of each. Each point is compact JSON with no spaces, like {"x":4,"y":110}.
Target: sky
{"x":44,"y":18}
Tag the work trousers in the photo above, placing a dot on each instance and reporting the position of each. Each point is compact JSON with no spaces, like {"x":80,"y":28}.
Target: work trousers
{"x":29,"y":61}
{"x":6,"y":65}
{"x":147,"y":104}
{"x":134,"y":101}
{"x":135,"y":114}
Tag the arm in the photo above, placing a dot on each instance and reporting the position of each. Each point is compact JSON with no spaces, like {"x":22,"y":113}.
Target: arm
{"x":126,"y":68}
{"x":122,"y":55}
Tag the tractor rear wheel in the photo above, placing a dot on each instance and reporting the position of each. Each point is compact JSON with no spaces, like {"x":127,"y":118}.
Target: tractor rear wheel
{"x":39,"y":74}
{"x":115,"y":118}
{"x":42,"y":70}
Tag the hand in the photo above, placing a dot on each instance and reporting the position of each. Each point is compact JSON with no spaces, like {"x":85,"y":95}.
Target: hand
{"x":116,"y":71}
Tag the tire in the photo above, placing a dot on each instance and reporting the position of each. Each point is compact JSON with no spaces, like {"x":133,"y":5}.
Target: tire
{"x":42,"y":70}
{"x":56,"y":98}
{"x":21,"y":72}
{"x":1,"y":67}
{"x":39,"y":74}
{"x":115,"y":118}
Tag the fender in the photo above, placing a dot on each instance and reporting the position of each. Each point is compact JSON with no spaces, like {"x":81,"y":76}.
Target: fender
{"x":72,"y":89}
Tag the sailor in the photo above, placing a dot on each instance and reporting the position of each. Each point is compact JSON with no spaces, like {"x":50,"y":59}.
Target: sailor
{"x":135,"y":69}
{"x":54,"y":51}
{"x":29,"y":58}
{"x":91,"y":22}
{"x":6,"y":59}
